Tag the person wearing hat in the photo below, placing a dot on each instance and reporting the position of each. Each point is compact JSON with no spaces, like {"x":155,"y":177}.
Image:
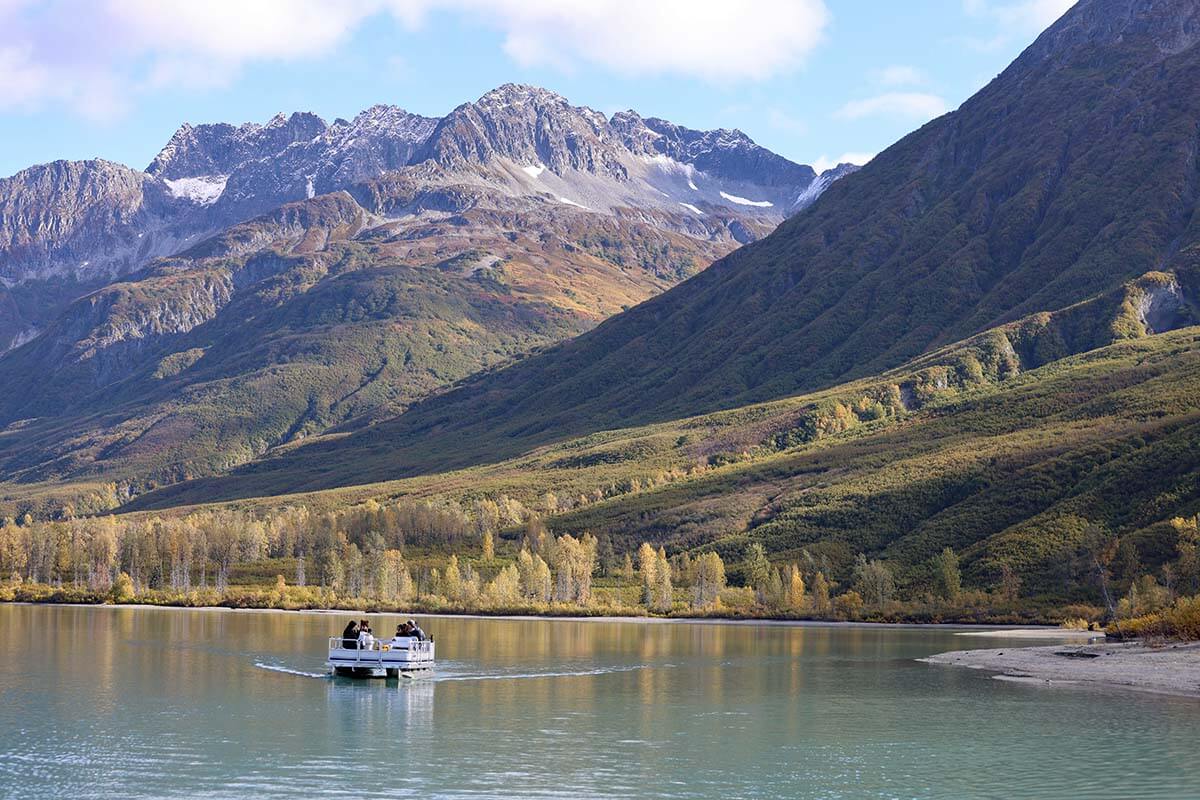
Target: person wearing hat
{"x":415,"y":630}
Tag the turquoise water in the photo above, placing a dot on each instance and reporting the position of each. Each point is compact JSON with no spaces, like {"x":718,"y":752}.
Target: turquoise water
{"x":152,"y":703}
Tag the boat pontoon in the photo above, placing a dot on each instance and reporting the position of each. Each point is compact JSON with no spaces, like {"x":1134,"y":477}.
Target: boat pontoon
{"x":404,"y":655}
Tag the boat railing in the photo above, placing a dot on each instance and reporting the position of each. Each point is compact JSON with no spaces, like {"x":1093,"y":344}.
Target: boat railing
{"x":374,"y":650}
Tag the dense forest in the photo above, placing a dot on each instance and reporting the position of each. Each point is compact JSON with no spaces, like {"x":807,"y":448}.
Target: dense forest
{"x":499,"y":556}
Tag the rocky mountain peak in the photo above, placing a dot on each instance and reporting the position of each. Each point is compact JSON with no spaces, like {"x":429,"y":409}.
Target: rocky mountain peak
{"x":83,"y":213}
{"x":219,"y":148}
{"x":1171,"y":26}
{"x":528,"y":125}
{"x":723,"y":153}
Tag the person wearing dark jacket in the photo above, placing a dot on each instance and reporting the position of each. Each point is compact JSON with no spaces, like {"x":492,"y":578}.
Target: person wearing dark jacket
{"x":350,"y":636}
{"x":414,"y":630}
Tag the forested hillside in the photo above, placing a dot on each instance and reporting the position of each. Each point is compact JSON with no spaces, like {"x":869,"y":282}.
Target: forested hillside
{"x":1026,"y":481}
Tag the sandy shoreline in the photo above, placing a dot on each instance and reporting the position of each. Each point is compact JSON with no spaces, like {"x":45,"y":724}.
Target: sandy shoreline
{"x":1170,"y":669}
{"x":1037,"y":633}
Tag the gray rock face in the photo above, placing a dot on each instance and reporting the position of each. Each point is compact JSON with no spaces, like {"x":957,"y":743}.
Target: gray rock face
{"x":238,"y":172}
{"x":527,"y":125}
{"x":221,"y":148}
{"x":721,"y":153}
{"x":80,"y":219}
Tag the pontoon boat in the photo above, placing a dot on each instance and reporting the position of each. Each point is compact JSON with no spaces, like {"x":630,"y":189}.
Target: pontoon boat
{"x":403,"y":655}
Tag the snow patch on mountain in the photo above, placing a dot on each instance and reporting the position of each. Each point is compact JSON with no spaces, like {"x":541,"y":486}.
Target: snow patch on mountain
{"x":672,"y":166}
{"x":26,"y":335}
{"x":814,"y":190}
{"x":691,"y":207}
{"x":203,"y":190}
{"x":741,"y":201}
{"x":533,"y":170}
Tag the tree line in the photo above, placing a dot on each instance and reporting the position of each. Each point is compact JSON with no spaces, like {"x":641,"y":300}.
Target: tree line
{"x":443,"y":554}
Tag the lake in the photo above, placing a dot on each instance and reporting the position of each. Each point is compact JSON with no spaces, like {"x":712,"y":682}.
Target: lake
{"x":143,"y":702}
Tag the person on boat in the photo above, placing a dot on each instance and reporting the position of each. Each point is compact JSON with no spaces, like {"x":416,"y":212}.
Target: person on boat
{"x":366,"y":639}
{"x":403,"y":634}
{"x":415,"y":631}
{"x":350,"y":636}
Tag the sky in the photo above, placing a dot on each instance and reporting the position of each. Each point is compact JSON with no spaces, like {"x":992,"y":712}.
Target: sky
{"x":818,"y":81}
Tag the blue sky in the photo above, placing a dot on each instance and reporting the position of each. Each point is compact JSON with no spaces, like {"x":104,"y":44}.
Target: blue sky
{"x":811,"y":79}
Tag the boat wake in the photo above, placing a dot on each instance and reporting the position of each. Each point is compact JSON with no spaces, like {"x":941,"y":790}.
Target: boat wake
{"x":502,"y":676}
{"x":528,"y":675}
{"x":290,"y":671}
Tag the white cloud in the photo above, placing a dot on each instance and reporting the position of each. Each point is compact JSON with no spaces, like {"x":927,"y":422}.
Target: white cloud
{"x":1025,"y":16}
{"x":1012,"y":19}
{"x":21,"y":81}
{"x":237,"y":30}
{"x":781,"y":120}
{"x":900,"y":75}
{"x":709,"y":40}
{"x":97,"y":57}
{"x":910,"y":105}
{"x":824,"y":162}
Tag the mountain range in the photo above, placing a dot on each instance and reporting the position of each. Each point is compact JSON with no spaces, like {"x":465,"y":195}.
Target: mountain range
{"x":307,"y":275}
{"x":984,"y":339}
{"x":1016,"y":203}
{"x":89,"y":220}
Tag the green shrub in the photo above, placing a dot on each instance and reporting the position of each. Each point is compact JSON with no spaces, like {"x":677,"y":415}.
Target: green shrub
{"x":122,"y":589}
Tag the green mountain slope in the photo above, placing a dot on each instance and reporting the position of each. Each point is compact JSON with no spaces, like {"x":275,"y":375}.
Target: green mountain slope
{"x":965,"y":448}
{"x":1070,"y":174}
{"x":316,"y":317}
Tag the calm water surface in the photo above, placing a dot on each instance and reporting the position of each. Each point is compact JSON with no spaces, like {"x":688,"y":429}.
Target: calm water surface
{"x":134,"y":703}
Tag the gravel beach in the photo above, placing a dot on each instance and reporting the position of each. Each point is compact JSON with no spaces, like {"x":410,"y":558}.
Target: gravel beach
{"x":1167,"y":669}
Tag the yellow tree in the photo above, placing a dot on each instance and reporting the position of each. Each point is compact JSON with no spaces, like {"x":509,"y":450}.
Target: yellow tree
{"x":710,"y":580}
{"x":487,"y":515}
{"x":647,"y":566}
{"x":795,"y":589}
{"x":452,"y":581}
{"x":574,"y":563}
{"x":627,"y":568}
{"x":14,"y":549}
{"x":664,"y":592}
{"x":534,"y":576}
{"x":504,"y":591}
{"x":102,"y":554}
{"x":820,"y":594}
